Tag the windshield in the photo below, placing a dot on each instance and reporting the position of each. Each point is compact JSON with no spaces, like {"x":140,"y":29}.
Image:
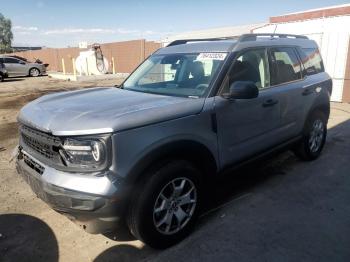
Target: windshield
{"x":187,"y":75}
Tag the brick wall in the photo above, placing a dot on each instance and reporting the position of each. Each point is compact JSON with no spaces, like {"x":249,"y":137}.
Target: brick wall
{"x":332,"y":11}
{"x":127,"y":55}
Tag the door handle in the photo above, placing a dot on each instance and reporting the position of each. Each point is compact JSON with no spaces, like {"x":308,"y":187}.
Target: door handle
{"x":307,"y":91}
{"x":270,"y":102}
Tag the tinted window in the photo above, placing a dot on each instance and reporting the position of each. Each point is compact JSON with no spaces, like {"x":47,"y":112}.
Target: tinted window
{"x":312,"y":61}
{"x":11,"y":60}
{"x":252,"y":66}
{"x":285,"y":65}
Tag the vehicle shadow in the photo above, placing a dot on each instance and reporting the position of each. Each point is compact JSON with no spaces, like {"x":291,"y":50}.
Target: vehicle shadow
{"x":125,"y":252}
{"x":26,"y":238}
{"x":231,"y":186}
{"x":13,"y":79}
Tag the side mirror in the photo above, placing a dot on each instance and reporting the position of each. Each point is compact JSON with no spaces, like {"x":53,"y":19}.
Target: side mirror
{"x":22,"y":62}
{"x":243,"y":90}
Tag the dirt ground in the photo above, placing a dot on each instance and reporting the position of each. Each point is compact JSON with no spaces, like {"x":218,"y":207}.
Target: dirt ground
{"x":279,"y":210}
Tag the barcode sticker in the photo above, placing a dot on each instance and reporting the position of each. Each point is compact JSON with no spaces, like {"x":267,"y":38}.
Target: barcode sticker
{"x":211,"y":56}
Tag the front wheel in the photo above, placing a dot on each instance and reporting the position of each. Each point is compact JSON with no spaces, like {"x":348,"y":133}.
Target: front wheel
{"x":1,"y":78}
{"x":166,"y":208}
{"x":34,"y":72}
{"x":314,"y":137}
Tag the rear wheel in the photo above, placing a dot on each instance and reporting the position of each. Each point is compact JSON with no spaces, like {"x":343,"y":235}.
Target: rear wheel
{"x":165,"y":209}
{"x":34,"y":72}
{"x":314,"y":137}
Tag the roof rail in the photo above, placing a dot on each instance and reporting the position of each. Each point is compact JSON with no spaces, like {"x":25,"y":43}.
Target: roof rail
{"x":185,"y":41}
{"x":253,"y":37}
{"x":242,"y":38}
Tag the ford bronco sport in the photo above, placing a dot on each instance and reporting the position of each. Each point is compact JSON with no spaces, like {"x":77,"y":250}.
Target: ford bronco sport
{"x":143,"y":153}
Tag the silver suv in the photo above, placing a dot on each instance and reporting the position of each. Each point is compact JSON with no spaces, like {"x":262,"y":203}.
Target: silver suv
{"x":144,"y":153}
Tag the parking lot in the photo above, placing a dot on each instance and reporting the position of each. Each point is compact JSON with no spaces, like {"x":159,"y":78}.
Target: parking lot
{"x":280,"y":209}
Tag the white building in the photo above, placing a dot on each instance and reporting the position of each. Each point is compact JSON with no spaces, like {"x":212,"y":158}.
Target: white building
{"x":329,"y":27}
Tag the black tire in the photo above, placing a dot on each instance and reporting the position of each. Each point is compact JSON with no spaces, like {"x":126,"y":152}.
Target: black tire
{"x":141,"y":215}
{"x":304,"y":149}
{"x":34,"y":72}
{"x":2,"y":78}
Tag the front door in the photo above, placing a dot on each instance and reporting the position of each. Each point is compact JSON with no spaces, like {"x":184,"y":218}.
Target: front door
{"x":247,"y":126}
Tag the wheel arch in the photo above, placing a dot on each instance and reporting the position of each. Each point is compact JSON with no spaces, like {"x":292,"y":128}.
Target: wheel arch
{"x":323,"y":107}
{"x":195,"y":152}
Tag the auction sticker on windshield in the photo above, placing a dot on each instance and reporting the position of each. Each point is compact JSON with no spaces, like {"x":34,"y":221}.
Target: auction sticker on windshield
{"x":211,"y":56}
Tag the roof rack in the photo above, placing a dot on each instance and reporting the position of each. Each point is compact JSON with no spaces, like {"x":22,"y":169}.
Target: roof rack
{"x":253,"y":37}
{"x":185,"y":41}
{"x":242,"y":38}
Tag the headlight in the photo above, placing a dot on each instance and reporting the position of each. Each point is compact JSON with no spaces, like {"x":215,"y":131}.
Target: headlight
{"x":84,"y":153}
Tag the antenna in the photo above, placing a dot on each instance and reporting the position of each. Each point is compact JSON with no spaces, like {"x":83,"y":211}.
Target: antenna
{"x":274,"y":31}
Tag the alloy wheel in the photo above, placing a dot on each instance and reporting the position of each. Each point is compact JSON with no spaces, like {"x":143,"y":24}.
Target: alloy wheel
{"x":34,"y":72}
{"x":175,"y":206}
{"x":316,"y":135}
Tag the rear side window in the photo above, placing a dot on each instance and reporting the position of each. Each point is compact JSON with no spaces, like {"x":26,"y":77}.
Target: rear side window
{"x":285,"y":65}
{"x":10,"y":60}
{"x":312,"y":61}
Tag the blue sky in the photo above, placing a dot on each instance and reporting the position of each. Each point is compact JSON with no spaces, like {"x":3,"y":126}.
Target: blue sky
{"x":65,"y":23}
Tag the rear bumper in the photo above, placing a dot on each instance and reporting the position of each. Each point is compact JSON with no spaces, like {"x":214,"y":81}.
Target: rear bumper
{"x":95,"y":213}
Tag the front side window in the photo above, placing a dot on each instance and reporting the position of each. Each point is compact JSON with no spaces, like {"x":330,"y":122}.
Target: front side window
{"x":187,"y":75}
{"x":251,"y":65}
{"x":285,"y":65}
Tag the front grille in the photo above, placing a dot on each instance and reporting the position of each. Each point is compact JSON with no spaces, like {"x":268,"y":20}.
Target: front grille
{"x":42,"y":143}
{"x":33,"y":164}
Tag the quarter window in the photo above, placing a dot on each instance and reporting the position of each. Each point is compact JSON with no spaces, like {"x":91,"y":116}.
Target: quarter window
{"x":285,"y":65}
{"x":312,"y":61}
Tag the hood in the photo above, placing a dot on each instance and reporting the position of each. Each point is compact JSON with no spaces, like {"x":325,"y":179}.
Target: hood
{"x":103,"y":110}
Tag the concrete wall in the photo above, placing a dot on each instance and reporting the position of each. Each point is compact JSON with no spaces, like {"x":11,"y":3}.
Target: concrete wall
{"x":127,"y":55}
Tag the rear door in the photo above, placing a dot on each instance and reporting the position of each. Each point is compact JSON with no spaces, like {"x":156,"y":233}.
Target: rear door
{"x":287,"y":80}
{"x":247,"y":126}
{"x":315,"y":79}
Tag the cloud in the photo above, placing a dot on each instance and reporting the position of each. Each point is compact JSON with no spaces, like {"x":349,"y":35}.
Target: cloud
{"x":123,"y":31}
{"x":127,"y":31}
{"x":70,"y":36}
{"x":26,"y":30}
{"x":67,"y":31}
{"x":20,"y":28}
